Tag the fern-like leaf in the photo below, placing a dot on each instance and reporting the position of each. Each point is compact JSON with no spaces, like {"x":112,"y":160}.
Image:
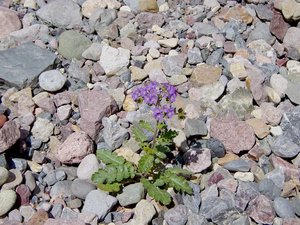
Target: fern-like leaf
{"x":114,"y":187}
{"x":146,"y":163}
{"x":178,"y":183}
{"x":146,"y":125}
{"x":138,"y":133}
{"x":157,"y":193}
{"x":109,"y":157}
{"x":177,"y":171}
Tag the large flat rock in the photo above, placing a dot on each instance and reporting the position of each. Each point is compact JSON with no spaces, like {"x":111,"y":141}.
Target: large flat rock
{"x":21,"y":66}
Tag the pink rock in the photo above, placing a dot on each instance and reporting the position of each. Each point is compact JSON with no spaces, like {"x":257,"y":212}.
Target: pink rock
{"x":197,"y":160}
{"x":75,"y":148}
{"x":234,"y":134}
{"x":228,"y":184}
{"x":64,"y":222}
{"x":260,"y":209}
{"x":9,"y":22}
{"x":23,"y":193}
{"x":278,"y":26}
{"x":62,"y":98}
{"x":289,"y":169}
{"x":9,"y":135}
{"x":290,"y":221}
{"x":271,"y":114}
{"x":93,"y":106}
{"x":63,"y":112}
{"x":46,"y":103}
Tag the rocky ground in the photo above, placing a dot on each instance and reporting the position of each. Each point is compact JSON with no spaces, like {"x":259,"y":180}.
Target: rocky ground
{"x":67,"y":69}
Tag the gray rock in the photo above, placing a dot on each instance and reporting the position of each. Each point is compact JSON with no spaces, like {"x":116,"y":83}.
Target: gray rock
{"x":215,"y":57}
{"x":285,"y":147}
{"x":217,"y":148}
{"x":101,"y":19}
{"x":20,"y":164}
{"x":50,"y":178}
{"x":173,"y":65}
{"x":68,"y":214}
{"x":277,"y":176}
{"x":212,"y":207}
{"x":196,"y":219}
{"x":238,"y":165}
{"x":93,"y":52}
{"x":131,"y":194}
{"x":194,"y":56}
{"x":60,"y":175}
{"x":61,"y":13}
{"x":144,"y":212}
{"x":87,"y":167}
{"x":61,"y":188}
{"x":292,"y":92}
{"x":15,"y":178}
{"x":15,"y":215}
{"x":29,"y":180}
{"x":264,"y":12}
{"x":295,"y":202}
{"x":283,"y":208}
{"x":192,"y":202}
{"x":268,"y":188}
{"x":72,"y":44}
{"x":7,"y":201}
{"x":98,"y":202}
{"x":56,"y":210}
{"x":27,"y":212}
{"x":42,"y":129}
{"x":246,"y":192}
{"x":113,"y":134}
{"x":3,"y":175}
{"x":204,"y":29}
{"x":79,"y":73}
{"x":3,"y":162}
{"x":21,"y":66}
{"x":177,"y":215}
{"x":261,"y":31}
{"x":195,"y":127}
{"x":52,"y":80}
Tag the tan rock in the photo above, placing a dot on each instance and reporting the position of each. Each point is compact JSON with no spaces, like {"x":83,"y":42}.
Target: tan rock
{"x":239,"y":13}
{"x":148,"y":6}
{"x":169,"y":43}
{"x":129,"y":104}
{"x":90,"y":6}
{"x":261,"y":129}
{"x":227,"y":158}
{"x":129,"y":155}
{"x":137,"y":74}
{"x":238,"y":70}
{"x":205,"y":74}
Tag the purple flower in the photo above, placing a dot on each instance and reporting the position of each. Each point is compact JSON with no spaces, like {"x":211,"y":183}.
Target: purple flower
{"x":158,"y":113}
{"x":169,"y":111}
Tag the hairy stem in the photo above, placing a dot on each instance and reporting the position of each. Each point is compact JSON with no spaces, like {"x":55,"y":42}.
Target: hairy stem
{"x":155,"y":135}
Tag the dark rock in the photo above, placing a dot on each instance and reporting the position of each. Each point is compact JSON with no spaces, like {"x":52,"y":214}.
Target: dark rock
{"x":238,"y":165}
{"x":283,"y":208}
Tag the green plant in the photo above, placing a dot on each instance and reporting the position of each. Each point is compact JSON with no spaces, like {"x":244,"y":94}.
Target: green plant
{"x":151,"y":170}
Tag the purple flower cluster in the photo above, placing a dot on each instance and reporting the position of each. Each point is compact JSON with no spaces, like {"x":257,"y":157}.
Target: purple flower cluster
{"x":154,"y":94}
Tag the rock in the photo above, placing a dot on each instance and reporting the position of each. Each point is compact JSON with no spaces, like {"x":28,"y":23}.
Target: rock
{"x":197,"y":160}
{"x":173,"y":65}
{"x":285,"y":147}
{"x":98,"y":202}
{"x":129,"y":104}
{"x":77,"y":146}
{"x":3,"y":119}
{"x":64,"y":112}
{"x":113,"y":134}
{"x":9,"y":135}
{"x":217,"y":148}
{"x":195,"y":127}
{"x":291,"y":39}
{"x":146,"y":20}
{"x":131,"y":194}
{"x":3,"y":175}
{"x":278,"y":26}
{"x":194,"y":56}
{"x":22,"y":65}
{"x":7,"y":200}
{"x":238,"y":13}
{"x":93,"y":52}
{"x":30,"y":181}
{"x":144,"y":212}
{"x":93,"y":106}
{"x":260,"y":209}
{"x":261,"y":130}
{"x":268,"y":188}
{"x":87,"y":167}
{"x":246,"y":191}
{"x":142,"y":5}
{"x":42,"y":129}
{"x":27,"y":212}
{"x":237,"y":165}
{"x":283,"y":208}
{"x":72,"y":44}
{"x":210,"y":92}
{"x":113,"y":60}
{"x":9,"y":21}
{"x":177,"y":215}
{"x":212,"y":207}
{"x":64,"y":222}
{"x":289,"y":169}
{"x":61,"y":13}
{"x":52,"y":80}
{"x":61,"y":189}
{"x":204,"y":29}
{"x":38,"y":218}
{"x":238,"y":139}
{"x":24,"y":194}
{"x":81,"y":188}
{"x":90,"y":6}
{"x":279,"y":84}
{"x":276,"y":176}
{"x":15,"y":216}
{"x":205,"y":74}
{"x":261,"y":31}
{"x":168,"y":43}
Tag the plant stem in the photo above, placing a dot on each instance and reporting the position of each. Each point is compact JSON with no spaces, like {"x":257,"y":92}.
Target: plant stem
{"x":155,"y":135}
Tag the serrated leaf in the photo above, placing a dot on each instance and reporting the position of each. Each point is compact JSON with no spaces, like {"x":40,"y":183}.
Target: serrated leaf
{"x":109,"y":157}
{"x":146,"y":163}
{"x":114,"y":187}
{"x":159,"y":182}
{"x":178,"y":183}
{"x":138,"y":134}
{"x":158,"y":194}
{"x":177,"y":171}
{"x":146,"y":125}
{"x":161,"y":155}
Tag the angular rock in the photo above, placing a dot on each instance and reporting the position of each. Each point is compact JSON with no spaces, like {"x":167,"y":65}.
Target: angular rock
{"x":292,"y":38}
{"x":197,"y":160}
{"x":173,"y":65}
{"x":42,"y":129}
{"x":9,"y":135}
{"x":238,"y":165}
{"x":285,"y":147}
{"x":205,"y":74}
{"x":146,"y":20}
{"x":144,"y":212}
{"x":93,"y":106}
{"x":81,"y":188}
{"x":261,"y":210}
{"x":195,"y":127}
{"x":61,"y":13}
{"x":246,"y":192}
{"x":61,"y":189}
{"x":9,"y":21}
{"x":283,"y":208}
{"x":131,"y":194}
{"x":177,"y":215}
{"x":77,"y":146}
{"x":21,"y":66}
{"x":278,"y":25}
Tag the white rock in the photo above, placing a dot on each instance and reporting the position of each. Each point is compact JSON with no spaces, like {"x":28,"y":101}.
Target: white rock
{"x":63,"y":112}
{"x":113,"y":60}
{"x":171,"y":42}
{"x":87,"y":167}
{"x":52,"y":80}
{"x":244,"y":176}
{"x":279,"y":84}
{"x":42,"y":129}
{"x":93,"y":52}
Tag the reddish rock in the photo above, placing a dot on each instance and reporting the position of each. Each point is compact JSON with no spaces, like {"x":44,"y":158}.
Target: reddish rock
{"x":234,"y":134}
{"x":75,"y":148}
{"x":147,"y":20}
{"x":290,"y":221}
{"x":62,"y":98}
{"x":197,"y":160}
{"x":228,"y":184}
{"x":289,"y":169}
{"x":23,"y":193}
{"x":9,"y":135}
{"x":9,"y":22}
{"x":93,"y":106}
{"x":3,"y":119}
{"x":38,"y":218}
{"x":278,"y":26}
{"x":260,"y":209}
